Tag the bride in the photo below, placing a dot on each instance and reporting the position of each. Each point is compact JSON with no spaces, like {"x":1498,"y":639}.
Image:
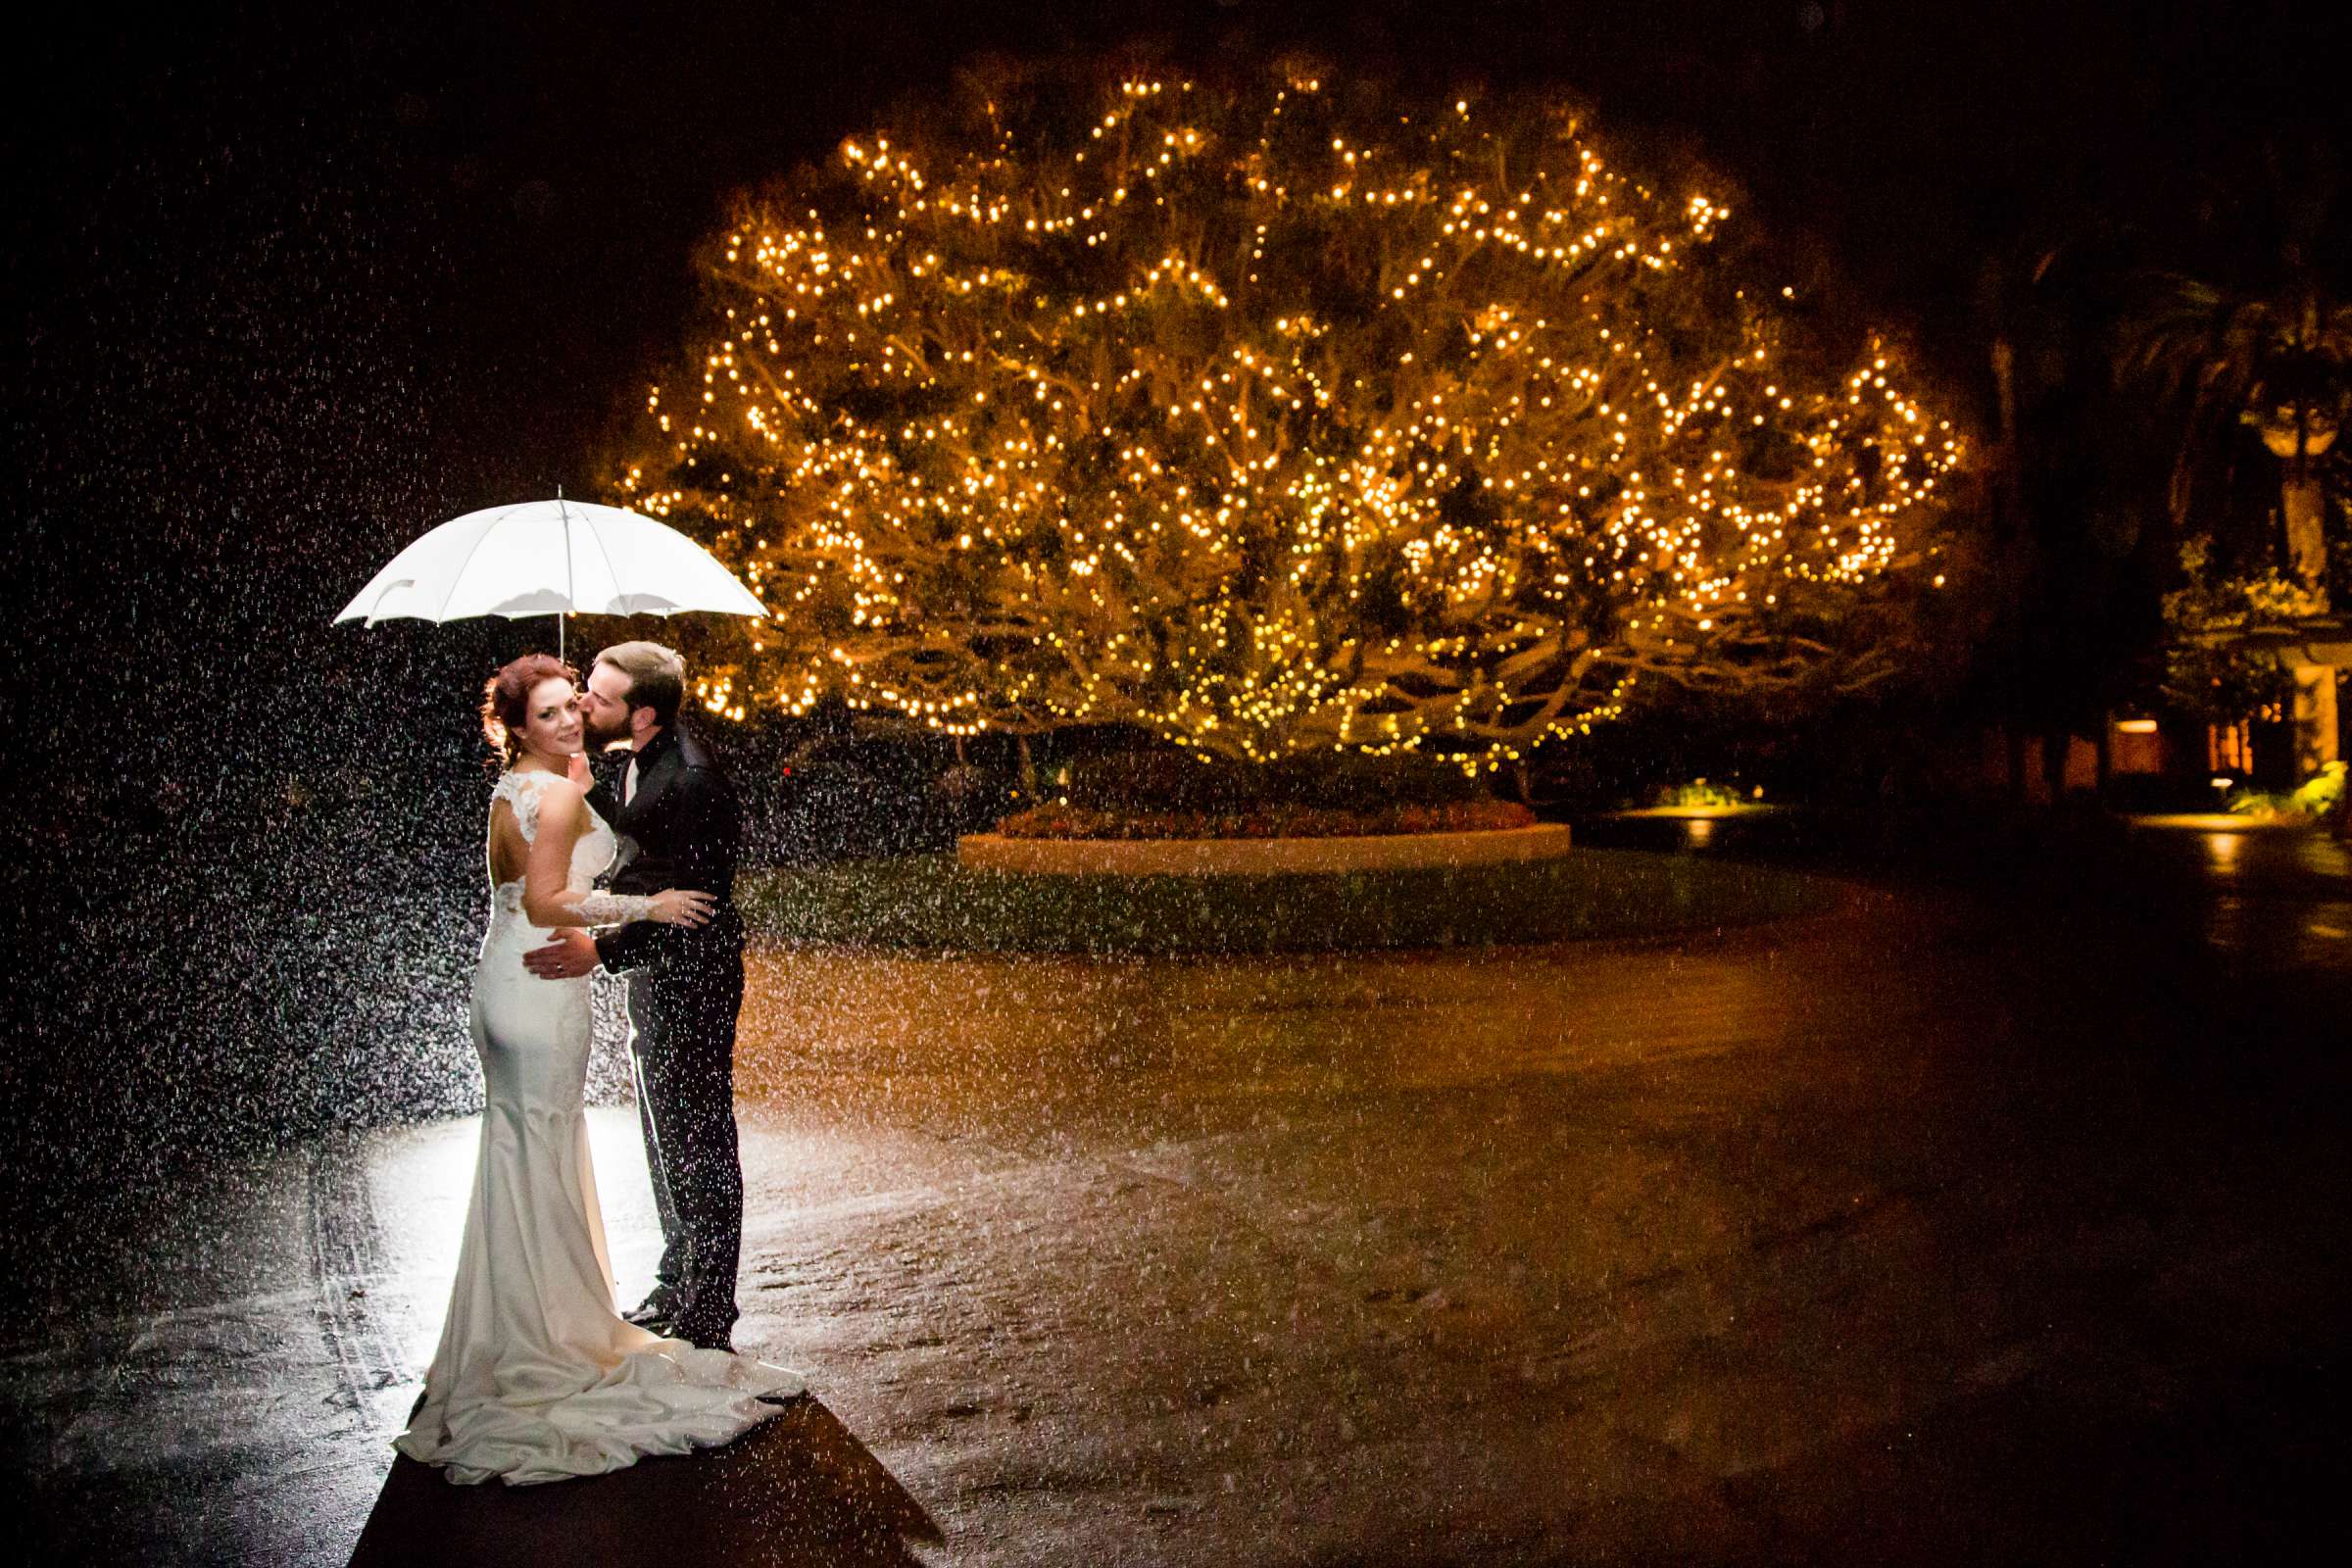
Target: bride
{"x":537,"y":1377}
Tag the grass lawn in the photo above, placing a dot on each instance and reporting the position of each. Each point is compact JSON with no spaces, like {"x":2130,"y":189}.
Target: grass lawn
{"x":930,"y":901}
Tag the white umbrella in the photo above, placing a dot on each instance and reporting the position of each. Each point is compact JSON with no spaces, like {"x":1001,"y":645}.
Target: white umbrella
{"x":550,"y":558}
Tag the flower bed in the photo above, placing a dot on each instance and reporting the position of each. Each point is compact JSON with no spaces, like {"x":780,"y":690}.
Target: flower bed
{"x":1265,"y":822}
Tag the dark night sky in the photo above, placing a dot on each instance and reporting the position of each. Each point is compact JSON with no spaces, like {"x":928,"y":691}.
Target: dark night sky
{"x":509,"y":195}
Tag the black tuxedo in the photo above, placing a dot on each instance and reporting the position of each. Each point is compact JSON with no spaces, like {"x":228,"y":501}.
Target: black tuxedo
{"x":680,"y":828}
{"x":686,"y":830}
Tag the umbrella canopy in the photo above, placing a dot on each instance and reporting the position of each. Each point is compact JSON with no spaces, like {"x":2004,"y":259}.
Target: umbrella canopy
{"x":550,"y":558}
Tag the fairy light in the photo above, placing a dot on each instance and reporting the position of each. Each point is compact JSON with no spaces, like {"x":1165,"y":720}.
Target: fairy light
{"x":1018,"y":428}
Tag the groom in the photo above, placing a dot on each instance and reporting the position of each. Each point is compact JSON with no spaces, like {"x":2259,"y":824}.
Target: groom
{"x":676,"y":817}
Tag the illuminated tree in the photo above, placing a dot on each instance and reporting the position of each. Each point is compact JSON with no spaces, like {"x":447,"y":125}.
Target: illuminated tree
{"x":1286,"y":417}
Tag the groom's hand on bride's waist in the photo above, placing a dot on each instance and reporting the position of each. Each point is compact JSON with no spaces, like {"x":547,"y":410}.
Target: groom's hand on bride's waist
{"x":569,"y":954}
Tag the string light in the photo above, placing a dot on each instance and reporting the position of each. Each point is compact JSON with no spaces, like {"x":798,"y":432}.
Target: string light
{"x":1267,"y":426}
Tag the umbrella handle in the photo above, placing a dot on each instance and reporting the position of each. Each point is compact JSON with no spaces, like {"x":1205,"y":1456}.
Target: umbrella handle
{"x":564,"y":511}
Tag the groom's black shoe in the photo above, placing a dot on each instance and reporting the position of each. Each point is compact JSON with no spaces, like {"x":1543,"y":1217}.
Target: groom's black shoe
{"x":651,"y":1313}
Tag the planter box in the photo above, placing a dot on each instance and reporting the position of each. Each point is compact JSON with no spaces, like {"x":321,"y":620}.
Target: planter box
{"x":1383,"y":852}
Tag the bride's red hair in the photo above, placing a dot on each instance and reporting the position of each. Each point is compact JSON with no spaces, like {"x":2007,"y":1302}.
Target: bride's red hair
{"x":506,"y":699}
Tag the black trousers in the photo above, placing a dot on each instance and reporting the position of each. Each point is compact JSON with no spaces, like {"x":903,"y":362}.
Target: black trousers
{"x":682,"y":1011}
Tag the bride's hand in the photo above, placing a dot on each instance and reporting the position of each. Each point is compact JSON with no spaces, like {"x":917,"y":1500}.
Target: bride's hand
{"x":576,"y":770}
{"x":682,"y":907}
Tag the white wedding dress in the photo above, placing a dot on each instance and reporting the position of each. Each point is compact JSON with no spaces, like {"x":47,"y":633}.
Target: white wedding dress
{"x":537,"y":1377}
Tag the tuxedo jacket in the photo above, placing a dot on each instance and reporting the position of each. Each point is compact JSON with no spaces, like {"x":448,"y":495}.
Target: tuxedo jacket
{"x":686,"y":830}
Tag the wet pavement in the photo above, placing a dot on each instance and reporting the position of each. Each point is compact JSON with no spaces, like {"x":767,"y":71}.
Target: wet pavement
{"x":1993,"y":1217}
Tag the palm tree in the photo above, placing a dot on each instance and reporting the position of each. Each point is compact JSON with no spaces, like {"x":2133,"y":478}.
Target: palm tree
{"x":2270,"y":348}
{"x":2274,"y":361}
{"x":2262,"y":341}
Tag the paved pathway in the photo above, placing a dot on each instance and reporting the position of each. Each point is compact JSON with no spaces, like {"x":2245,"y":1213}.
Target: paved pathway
{"x":1919,"y":1233}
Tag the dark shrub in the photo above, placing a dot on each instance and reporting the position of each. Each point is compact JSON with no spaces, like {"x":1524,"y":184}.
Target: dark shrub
{"x":852,"y":796}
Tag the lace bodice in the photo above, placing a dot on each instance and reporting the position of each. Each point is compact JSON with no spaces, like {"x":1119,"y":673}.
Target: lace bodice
{"x":521,"y":789}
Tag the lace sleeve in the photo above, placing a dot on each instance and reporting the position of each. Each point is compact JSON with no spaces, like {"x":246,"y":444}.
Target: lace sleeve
{"x":614,"y":908}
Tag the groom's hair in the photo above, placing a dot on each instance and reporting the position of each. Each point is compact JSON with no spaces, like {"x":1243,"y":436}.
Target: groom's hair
{"x":657,"y":676}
